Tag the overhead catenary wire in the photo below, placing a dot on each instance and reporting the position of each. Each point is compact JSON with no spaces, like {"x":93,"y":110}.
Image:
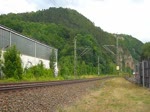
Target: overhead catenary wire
{"x":87,"y":49}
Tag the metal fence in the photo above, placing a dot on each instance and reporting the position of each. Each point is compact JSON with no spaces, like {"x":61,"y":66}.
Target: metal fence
{"x":143,"y":73}
{"x":24,"y":44}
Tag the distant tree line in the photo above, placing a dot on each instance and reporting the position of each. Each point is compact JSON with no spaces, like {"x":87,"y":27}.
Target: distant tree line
{"x":145,"y":51}
{"x":58,"y":27}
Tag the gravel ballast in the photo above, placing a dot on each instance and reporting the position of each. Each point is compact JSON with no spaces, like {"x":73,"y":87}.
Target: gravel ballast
{"x":44,"y":99}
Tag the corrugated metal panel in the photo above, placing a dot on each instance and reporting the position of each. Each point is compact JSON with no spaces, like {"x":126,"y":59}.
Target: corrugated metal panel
{"x":24,"y":44}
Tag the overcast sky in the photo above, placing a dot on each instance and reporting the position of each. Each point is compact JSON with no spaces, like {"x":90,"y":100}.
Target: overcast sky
{"x":130,"y":17}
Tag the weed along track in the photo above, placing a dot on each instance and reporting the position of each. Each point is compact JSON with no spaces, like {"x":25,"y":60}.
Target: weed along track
{"x":116,"y":95}
{"x":43,"y":96}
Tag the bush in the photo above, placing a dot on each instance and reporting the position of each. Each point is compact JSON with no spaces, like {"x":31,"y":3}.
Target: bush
{"x":12,"y":64}
{"x":38,"y":72}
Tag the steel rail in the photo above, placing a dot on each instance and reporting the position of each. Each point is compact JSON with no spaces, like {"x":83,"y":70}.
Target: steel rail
{"x":10,"y":87}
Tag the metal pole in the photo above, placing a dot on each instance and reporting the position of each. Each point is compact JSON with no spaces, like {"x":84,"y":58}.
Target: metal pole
{"x":143,"y":73}
{"x":0,"y":65}
{"x":10,"y":39}
{"x":35,"y":49}
{"x":56,"y":55}
{"x":75,"y":57}
{"x":2,"y":38}
{"x":116,"y":50}
{"x":117,"y":59}
{"x":98,"y":65}
{"x":56,"y":65}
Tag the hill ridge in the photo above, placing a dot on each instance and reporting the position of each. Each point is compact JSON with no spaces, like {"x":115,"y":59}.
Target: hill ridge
{"x":58,"y":27}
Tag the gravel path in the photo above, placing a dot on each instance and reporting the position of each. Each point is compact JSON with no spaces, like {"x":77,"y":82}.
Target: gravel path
{"x":45,"y":99}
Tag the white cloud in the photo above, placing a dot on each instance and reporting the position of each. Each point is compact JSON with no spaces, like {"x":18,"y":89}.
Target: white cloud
{"x":115,"y":16}
{"x":15,"y":6}
{"x":120,"y":16}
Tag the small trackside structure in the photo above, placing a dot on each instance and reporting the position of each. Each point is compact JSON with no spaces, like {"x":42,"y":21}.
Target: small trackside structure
{"x":142,"y":74}
{"x":32,"y":52}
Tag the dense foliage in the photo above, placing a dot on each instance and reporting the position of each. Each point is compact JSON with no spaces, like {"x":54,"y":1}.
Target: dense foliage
{"x":12,"y":63}
{"x":145,"y":51}
{"x":58,"y":27}
{"x":132,"y":45}
{"x":37,"y":72}
{"x":11,"y":68}
{"x":1,"y":64}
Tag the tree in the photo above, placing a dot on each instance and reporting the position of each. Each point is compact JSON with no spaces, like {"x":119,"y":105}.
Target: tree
{"x":52,"y":59}
{"x":57,"y":27}
{"x":145,"y":51}
{"x":12,"y":63}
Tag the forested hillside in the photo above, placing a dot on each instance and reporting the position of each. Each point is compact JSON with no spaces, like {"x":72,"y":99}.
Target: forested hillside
{"x":58,"y":27}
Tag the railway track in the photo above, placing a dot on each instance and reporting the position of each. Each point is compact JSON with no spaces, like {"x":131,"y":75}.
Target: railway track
{"x":44,"y":96}
{"x":18,"y":86}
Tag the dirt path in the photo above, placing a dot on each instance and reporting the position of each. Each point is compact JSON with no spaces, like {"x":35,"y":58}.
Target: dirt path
{"x":116,"y":95}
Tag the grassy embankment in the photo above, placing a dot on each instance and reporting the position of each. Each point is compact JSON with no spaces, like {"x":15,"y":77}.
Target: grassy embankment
{"x":31,"y":78}
{"x":116,"y":95}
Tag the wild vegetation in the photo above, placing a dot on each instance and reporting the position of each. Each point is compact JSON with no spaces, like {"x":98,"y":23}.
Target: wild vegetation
{"x":1,"y":63}
{"x":145,"y":51}
{"x":114,"y":95}
{"x":12,"y":64}
{"x":58,"y":27}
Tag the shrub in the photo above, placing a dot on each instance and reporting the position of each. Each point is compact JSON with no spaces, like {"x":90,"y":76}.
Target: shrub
{"x":12,"y":63}
{"x":39,"y":71}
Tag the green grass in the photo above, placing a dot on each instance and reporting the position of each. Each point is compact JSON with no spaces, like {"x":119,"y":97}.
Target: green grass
{"x":116,"y":95}
{"x":30,"y":78}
